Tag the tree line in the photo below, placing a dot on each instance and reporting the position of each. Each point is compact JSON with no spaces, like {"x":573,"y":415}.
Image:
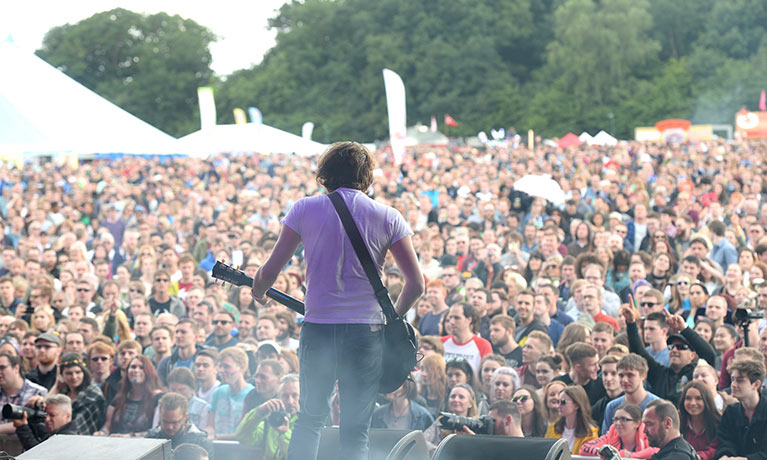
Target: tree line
{"x":550,"y":65}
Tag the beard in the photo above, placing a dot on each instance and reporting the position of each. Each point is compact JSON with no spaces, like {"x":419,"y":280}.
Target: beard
{"x":656,"y":439}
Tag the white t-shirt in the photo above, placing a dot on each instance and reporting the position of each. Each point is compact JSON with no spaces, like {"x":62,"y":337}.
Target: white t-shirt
{"x":337,"y":289}
{"x":472,"y":351}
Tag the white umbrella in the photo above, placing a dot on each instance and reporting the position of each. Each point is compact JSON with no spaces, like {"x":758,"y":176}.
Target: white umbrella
{"x":541,"y":186}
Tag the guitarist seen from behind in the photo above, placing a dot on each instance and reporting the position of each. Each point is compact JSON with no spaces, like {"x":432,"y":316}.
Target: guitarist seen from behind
{"x":342,"y":336}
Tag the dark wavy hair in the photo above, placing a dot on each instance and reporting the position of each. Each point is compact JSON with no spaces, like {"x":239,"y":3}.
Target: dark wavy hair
{"x":74,"y":360}
{"x":539,"y":418}
{"x":152,"y":385}
{"x":346,"y":164}
{"x":711,"y":415}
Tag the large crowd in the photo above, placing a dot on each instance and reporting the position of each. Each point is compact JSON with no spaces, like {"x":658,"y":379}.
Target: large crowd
{"x":634,"y":302}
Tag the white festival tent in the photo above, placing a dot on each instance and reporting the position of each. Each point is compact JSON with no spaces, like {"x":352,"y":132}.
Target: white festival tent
{"x":44,"y":112}
{"x":586,"y":138}
{"x":247,"y":138}
{"x":602,"y":138}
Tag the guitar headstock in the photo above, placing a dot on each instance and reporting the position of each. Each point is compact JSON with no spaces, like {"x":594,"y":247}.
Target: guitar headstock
{"x":231,"y":275}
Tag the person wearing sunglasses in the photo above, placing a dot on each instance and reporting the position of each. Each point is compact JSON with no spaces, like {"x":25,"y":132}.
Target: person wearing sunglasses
{"x":532,"y":411}
{"x":99,"y":359}
{"x":575,"y":424}
{"x":680,"y":294}
{"x":626,"y":434}
{"x":685,"y":347}
{"x":161,"y":301}
{"x":223,"y":324}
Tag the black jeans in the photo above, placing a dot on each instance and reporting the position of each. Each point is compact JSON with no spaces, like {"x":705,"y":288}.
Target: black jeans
{"x":351,"y":354}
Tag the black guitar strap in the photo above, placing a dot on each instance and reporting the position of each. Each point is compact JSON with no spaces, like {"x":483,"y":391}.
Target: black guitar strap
{"x":364,"y":256}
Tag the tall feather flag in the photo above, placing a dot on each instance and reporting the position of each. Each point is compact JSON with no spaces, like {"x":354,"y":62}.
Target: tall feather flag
{"x":433,"y":127}
{"x":239,"y":117}
{"x":763,"y":102}
{"x":207,"y":107}
{"x":395,"y":106}
{"x":255,"y":116}
{"x":306,"y":130}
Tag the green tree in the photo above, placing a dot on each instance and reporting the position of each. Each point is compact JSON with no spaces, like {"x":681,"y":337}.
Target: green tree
{"x":600,"y":53}
{"x":455,"y":56}
{"x":150,"y":65}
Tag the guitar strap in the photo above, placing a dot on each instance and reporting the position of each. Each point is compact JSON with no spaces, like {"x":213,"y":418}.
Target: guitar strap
{"x":364,"y":256}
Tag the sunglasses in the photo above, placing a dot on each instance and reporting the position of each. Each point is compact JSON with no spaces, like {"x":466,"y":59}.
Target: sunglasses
{"x":520,"y":398}
{"x":623,"y":420}
{"x":678,"y":346}
{"x":221,"y":321}
{"x":83,"y":290}
{"x":134,"y":290}
{"x":679,"y":283}
{"x":100,"y":358}
{"x":161,"y":280}
{"x":648,"y":304}
{"x":563,"y":402}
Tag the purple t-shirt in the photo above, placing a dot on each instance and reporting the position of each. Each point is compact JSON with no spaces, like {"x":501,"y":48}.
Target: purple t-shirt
{"x":337,"y":290}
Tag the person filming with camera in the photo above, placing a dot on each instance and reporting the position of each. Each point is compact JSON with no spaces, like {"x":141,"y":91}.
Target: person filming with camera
{"x":15,"y":389}
{"x":269,"y":426}
{"x":56,"y":419}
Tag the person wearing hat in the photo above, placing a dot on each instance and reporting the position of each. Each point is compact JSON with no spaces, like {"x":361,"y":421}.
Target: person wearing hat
{"x":48,"y":346}
{"x":685,"y":346}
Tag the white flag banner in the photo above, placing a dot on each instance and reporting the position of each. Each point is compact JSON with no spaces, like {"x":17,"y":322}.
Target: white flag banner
{"x":395,"y":105}
{"x":307,"y":129}
{"x":207,"y":107}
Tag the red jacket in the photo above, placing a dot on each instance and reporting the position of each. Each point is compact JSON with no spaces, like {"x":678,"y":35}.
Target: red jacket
{"x":642,"y":447}
{"x":705,"y":447}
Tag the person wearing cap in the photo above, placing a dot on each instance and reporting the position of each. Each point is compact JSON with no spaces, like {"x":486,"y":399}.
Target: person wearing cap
{"x":48,"y":346}
{"x":685,"y":347}
{"x":268,"y":349}
{"x":15,"y":389}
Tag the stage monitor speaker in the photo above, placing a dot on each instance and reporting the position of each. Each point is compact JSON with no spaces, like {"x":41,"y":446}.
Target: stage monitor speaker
{"x":65,"y":447}
{"x":411,"y":447}
{"x":380,"y":440}
{"x":486,"y":447}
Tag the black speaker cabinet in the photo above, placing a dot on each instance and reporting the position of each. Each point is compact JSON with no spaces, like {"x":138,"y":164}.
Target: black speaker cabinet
{"x":65,"y":447}
{"x":462,"y":447}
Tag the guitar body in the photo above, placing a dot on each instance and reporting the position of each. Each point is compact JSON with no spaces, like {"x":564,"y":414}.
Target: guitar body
{"x":399,"y":356}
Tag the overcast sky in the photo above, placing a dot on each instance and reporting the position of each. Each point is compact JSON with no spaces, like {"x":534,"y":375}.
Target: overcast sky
{"x":239,"y":24}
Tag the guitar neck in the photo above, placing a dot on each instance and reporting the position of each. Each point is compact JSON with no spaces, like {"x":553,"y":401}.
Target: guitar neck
{"x":236,"y":277}
{"x":290,"y":302}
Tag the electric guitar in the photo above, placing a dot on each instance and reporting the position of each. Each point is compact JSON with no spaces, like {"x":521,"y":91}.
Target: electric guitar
{"x":231,"y":275}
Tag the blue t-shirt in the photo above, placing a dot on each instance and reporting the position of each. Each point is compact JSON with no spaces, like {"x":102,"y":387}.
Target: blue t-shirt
{"x":227,"y":408}
{"x":613,"y":405}
{"x":660,"y":356}
{"x":429,"y":324}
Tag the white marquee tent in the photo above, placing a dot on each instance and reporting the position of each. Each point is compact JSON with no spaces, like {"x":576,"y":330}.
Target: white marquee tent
{"x":44,"y":112}
{"x":247,"y":138}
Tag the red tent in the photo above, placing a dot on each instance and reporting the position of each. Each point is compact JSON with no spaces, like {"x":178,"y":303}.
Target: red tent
{"x":568,"y":140}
